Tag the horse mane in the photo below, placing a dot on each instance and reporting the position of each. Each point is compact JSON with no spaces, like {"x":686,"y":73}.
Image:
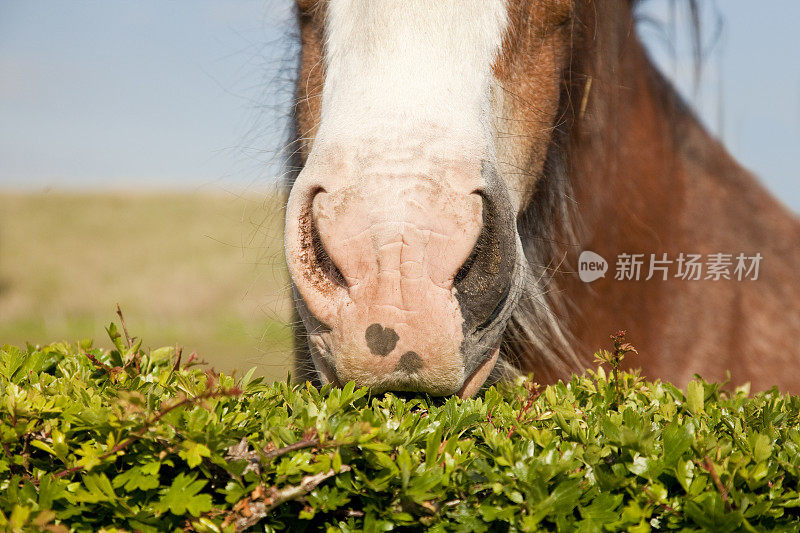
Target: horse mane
{"x":539,"y":335}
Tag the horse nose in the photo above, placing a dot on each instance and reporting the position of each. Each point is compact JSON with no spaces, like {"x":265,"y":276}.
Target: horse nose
{"x":396,"y":272}
{"x":387,"y":247}
{"x":375,"y":263}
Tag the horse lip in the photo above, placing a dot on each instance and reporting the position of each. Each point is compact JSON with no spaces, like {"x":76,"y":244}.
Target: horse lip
{"x":472,"y":384}
{"x":475,"y":381}
{"x":324,"y":369}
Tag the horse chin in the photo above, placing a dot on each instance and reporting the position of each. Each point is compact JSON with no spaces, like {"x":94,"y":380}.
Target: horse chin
{"x":397,"y":382}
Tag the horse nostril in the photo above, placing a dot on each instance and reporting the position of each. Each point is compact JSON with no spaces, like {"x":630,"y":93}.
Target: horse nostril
{"x":483,"y":282}
{"x":469,"y":263}
{"x":321,"y":260}
{"x":480,"y":244}
{"x":317,"y":283}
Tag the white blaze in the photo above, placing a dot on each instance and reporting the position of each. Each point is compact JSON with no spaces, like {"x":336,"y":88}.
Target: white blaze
{"x":390,"y":180}
{"x":397,"y":67}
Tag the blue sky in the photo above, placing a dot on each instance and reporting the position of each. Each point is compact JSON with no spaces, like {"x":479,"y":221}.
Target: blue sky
{"x":191,"y":93}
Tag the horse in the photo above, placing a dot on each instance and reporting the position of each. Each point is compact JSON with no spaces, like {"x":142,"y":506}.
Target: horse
{"x":488,"y":188}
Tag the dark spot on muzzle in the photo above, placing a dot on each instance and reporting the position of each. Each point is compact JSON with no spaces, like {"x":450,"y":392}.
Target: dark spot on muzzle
{"x":381,"y":341}
{"x":409,"y":363}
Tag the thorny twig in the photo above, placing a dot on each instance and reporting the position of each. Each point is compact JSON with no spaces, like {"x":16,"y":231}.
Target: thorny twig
{"x":178,"y":354}
{"x":308,"y":442}
{"x":534,"y":391}
{"x":124,"y":327}
{"x":255,"y":507}
{"x":614,"y":358}
{"x":99,"y":364}
{"x":709,"y":467}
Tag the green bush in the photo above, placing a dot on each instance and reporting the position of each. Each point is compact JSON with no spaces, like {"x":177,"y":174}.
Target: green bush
{"x":137,"y":440}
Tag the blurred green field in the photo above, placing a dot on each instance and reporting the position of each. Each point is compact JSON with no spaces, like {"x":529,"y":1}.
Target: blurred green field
{"x":203,"y":270}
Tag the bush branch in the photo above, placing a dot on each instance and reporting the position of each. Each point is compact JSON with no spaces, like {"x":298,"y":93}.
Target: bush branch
{"x":254,"y":508}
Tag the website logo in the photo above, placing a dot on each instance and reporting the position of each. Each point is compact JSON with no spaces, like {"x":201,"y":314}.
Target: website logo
{"x":591,"y":266}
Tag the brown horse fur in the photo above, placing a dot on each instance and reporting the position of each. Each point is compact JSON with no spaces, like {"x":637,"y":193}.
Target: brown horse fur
{"x":625,"y":168}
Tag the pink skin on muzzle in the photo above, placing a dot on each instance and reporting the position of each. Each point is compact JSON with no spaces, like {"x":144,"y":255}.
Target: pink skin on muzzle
{"x":374,"y":259}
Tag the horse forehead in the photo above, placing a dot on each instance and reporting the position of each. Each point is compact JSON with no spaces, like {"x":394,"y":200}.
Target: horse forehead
{"x":366,"y":24}
{"x":410,"y":61}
